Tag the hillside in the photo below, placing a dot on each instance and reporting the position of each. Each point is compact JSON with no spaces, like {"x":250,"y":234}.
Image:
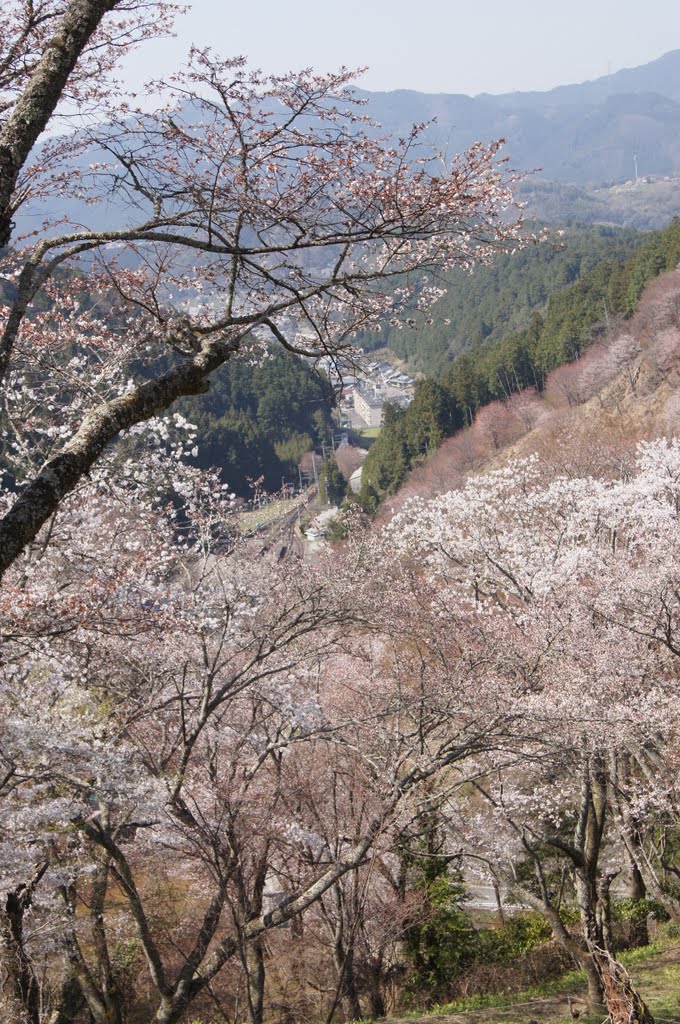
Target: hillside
{"x":655,"y":970}
{"x":646,"y":204}
{"x":590,"y":136}
{"x":256,"y":422}
{"x":593,"y":308}
{"x":481,"y":309}
{"x":626,"y":388}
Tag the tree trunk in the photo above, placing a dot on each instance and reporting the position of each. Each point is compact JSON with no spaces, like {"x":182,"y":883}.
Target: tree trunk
{"x":20,"y":995}
{"x":376,"y":995}
{"x":649,"y":876}
{"x":604,"y":910}
{"x":21,"y":986}
{"x":69,"y":1002}
{"x":256,"y":979}
{"x":637,"y":891}
{"x":587,"y":899}
{"x":499,"y":902}
{"x":624,"y":1004}
{"x":347,"y":991}
{"x":596,"y":1002}
{"x":39,"y":100}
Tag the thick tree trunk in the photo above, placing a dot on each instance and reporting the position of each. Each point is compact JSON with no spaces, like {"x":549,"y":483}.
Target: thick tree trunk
{"x":110,"y":993}
{"x":377,"y":998}
{"x":21,"y":988}
{"x":596,"y":1000}
{"x":576,"y":946}
{"x":42,"y":496}
{"x":21,"y":992}
{"x":604,"y":910}
{"x":637,"y":891}
{"x":587,"y":899}
{"x":624,"y":1004}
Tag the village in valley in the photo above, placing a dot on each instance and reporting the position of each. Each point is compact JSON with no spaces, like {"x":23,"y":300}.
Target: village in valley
{"x":365,"y":393}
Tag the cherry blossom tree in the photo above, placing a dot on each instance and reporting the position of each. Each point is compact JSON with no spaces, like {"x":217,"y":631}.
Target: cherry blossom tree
{"x":253,"y":210}
{"x":165,"y":702}
{"x":573,"y":584}
{"x":161,"y":693}
{"x":165,"y":705}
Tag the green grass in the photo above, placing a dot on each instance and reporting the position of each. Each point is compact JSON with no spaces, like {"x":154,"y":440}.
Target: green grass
{"x":567,"y":983}
{"x":630,"y":957}
{"x":363,"y":437}
{"x":659,"y":986}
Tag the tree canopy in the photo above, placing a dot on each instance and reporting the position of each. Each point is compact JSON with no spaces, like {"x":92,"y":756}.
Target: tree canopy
{"x":294,"y":216}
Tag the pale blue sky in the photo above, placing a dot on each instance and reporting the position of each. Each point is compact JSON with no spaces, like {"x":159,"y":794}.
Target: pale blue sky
{"x":430,"y":45}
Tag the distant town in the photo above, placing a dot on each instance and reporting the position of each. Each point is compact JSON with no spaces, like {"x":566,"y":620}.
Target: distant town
{"x":366,"y":386}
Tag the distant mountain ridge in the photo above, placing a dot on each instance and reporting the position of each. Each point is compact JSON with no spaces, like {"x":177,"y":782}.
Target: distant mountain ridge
{"x":586,"y":134}
{"x":661,"y":76}
{"x":578,"y":139}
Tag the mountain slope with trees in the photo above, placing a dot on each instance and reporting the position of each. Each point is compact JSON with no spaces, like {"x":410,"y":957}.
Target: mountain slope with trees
{"x":258,"y":421}
{"x":483,"y":307}
{"x":573,"y":318}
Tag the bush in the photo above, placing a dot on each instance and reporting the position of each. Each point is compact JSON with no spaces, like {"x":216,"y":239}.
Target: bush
{"x":636,"y":911}
{"x":486,"y":977}
{"x":515,"y":938}
{"x":445,"y":942}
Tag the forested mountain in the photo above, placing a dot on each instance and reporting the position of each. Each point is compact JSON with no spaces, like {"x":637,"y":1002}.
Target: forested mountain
{"x":485,"y":306}
{"x":571,"y":320}
{"x":257,"y":421}
{"x":502,"y":328}
{"x":584,"y":134}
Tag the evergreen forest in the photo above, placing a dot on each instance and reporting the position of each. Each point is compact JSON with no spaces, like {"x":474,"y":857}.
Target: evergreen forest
{"x":589,"y":302}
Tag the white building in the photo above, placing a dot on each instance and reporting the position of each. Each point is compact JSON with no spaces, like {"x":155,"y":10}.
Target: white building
{"x":369,"y":406}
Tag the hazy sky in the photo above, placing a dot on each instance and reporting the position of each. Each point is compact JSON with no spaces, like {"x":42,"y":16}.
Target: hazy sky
{"x":430,"y":45}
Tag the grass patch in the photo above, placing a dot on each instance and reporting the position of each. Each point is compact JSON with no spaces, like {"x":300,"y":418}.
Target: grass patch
{"x":567,"y":983}
{"x":659,"y":985}
{"x":363,"y":437}
{"x":630,"y":957}
{"x":259,"y":517}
